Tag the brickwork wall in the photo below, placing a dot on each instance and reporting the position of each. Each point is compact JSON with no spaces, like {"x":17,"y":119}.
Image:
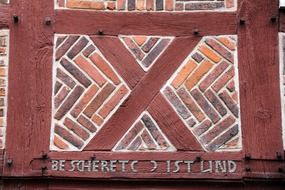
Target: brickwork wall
{"x":4,"y":52}
{"x":87,"y":90}
{"x":148,"y":5}
{"x":204,"y":93}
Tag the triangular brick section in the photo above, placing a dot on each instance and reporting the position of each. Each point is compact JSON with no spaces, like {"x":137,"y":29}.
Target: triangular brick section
{"x":144,"y":135}
{"x":87,"y":91}
{"x":146,"y":49}
{"x":204,"y":93}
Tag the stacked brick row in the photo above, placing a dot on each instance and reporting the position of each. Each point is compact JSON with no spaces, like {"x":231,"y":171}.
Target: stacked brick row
{"x":87,"y":91}
{"x":148,"y":5}
{"x":204,"y":93}
{"x":3,"y":84}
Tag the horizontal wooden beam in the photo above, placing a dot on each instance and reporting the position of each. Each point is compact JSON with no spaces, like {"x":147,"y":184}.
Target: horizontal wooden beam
{"x":4,"y":16}
{"x":175,"y":24}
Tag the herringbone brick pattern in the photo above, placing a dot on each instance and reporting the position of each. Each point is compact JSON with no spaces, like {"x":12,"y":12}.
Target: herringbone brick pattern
{"x":87,"y":91}
{"x":144,"y":135}
{"x":146,"y":49}
{"x":148,"y":5}
{"x":4,"y":53}
{"x":204,"y":93}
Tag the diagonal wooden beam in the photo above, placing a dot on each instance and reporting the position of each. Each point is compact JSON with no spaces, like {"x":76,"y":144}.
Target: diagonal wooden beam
{"x":143,"y":94}
{"x":176,"y":24}
{"x":4,"y":16}
{"x":120,"y":58}
{"x":174,"y":129}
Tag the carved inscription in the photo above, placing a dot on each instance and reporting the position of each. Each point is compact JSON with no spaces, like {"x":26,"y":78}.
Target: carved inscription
{"x":151,"y":166}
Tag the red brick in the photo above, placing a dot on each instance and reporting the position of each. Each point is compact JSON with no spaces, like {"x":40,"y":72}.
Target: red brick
{"x":66,"y":135}
{"x":97,"y":119}
{"x":202,"y":128}
{"x":140,"y":40}
{"x":150,"y":5}
{"x":65,"y":78}
{"x":148,"y":140}
{"x":203,"y":103}
{"x":140,"y":5}
{"x":231,"y":86}
{"x":191,"y":122}
{"x":105,"y":68}
{"x":2,"y":71}
{"x":87,"y":124}
{"x":83,"y":4}
{"x":74,"y":71}
{"x":90,"y":70}
{"x":179,"y":6}
{"x":215,"y":102}
{"x":121,"y":4}
{"x":155,"y":133}
{"x":99,"y":100}
{"x":169,"y":5}
{"x":223,"y":80}
{"x":57,"y":86}
{"x":59,"y":143}
{"x":60,"y":40}
{"x":220,"y":49}
{"x":69,"y":102}
{"x":2,"y":92}
{"x":149,"y":44}
{"x":183,"y":74}
{"x":84,"y":101}
{"x":196,"y":76}
{"x":221,"y":140}
{"x":155,"y":52}
{"x":134,"y":48}
{"x":74,"y":127}
{"x":130,"y":136}
{"x":229,"y":103}
{"x":61,"y":96}
{"x":176,"y":102}
{"x":217,"y":129}
{"x":229,"y":3}
{"x":197,"y":57}
{"x":113,"y":102}
{"x":135,"y":144}
{"x":210,"y":53}
{"x":65,"y":46}
{"x":80,"y":44}
{"x":111,"y":5}
{"x":89,"y":50}
{"x":217,"y":71}
{"x":227,"y":42}
{"x":191,"y":105}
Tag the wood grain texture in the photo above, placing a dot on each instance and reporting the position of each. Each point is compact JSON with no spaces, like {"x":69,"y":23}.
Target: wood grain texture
{"x":259,"y":79}
{"x":142,"y":94}
{"x":121,"y":59}
{"x":4,"y":16}
{"x":30,"y":84}
{"x":172,"y":126}
{"x":63,"y":184}
{"x":178,"y":24}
